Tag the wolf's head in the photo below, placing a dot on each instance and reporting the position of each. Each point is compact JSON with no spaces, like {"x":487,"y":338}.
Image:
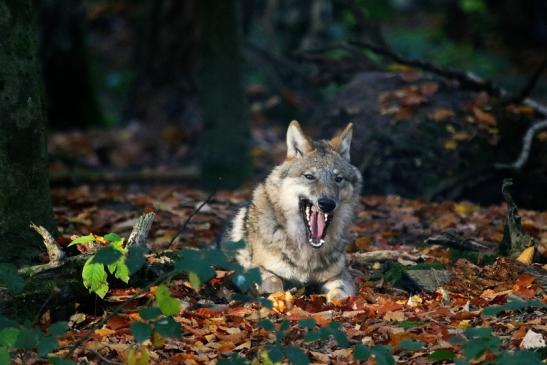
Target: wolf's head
{"x":316,"y":187}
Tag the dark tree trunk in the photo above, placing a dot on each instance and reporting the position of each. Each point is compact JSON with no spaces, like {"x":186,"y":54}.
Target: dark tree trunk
{"x":71,"y":96}
{"x":24,"y":188}
{"x":226,"y":137}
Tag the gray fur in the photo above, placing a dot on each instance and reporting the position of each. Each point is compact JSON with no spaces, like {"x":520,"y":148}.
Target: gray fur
{"x":274,"y":230}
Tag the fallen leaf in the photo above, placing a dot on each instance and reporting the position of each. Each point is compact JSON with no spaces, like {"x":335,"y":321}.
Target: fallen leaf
{"x":484,"y":117}
{"x":532,"y":340}
{"x":527,"y":256}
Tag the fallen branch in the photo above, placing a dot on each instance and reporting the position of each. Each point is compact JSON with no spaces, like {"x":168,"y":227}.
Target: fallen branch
{"x":108,"y":176}
{"x":57,"y":257}
{"x":526,"y":147}
{"x":454,"y":240}
{"x":139,"y":234}
{"x":385,"y":255}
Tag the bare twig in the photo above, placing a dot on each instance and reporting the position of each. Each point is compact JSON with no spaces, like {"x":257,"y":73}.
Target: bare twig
{"x":385,"y":255}
{"x":194,"y":212}
{"x":530,"y":85}
{"x":454,"y":240}
{"x":140,"y":230}
{"x":54,"y":251}
{"x":526,"y":147}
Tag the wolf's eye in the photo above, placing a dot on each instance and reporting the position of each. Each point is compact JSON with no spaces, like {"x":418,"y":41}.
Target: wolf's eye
{"x":338,"y":179}
{"x":309,"y":176}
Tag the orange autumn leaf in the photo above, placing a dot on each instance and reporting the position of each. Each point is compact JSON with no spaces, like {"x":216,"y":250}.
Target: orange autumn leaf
{"x":484,"y":117}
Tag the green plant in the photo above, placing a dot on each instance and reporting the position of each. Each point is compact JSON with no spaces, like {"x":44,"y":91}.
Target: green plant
{"x":112,"y":257}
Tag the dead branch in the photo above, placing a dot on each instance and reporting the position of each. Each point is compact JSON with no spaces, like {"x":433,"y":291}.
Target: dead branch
{"x":451,"y":239}
{"x":529,"y":86}
{"x":194,"y":212}
{"x":140,"y":230}
{"x":54,"y":251}
{"x":57,"y":257}
{"x":514,"y":239}
{"x":109,"y":176}
{"x":526,"y":147}
{"x":385,"y":255}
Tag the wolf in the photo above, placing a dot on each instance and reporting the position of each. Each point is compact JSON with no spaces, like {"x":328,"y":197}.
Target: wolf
{"x":295,"y":227}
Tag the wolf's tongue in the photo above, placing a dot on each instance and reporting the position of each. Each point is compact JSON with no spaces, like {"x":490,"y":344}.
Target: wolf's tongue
{"x":317,"y":224}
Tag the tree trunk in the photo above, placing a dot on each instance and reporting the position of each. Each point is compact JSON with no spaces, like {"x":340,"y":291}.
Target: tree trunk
{"x":71,"y":96}
{"x":24,"y":187}
{"x":226,"y":137}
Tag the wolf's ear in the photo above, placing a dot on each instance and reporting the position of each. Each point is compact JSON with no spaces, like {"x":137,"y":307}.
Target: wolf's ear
{"x":341,"y":142}
{"x":297,"y":143}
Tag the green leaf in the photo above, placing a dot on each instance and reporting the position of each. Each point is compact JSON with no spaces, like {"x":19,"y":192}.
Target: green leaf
{"x":194,"y":280}
{"x":457,"y":340}
{"x":135,"y":258}
{"x":6,"y":322}
{"x":514,"y":304}
{"x":82,"y":240}
{"x":4,"y":357}
{"x":149,"y":313}
{"x":296,"y":356}
{"x":58,"y":329}
{"x":28,"y":338}
{"x":519,"y":357}
{"x":275,"y":353}
{"x":10,"y":278}
{"x":120,"y":270}
{"x":267,"y":325}
{"x":383,"y":355}
{"x":312,"y":336}
{"x":410,"y":345}
{"x":477,"y":332}
{"x":265,"y":303}
{"x":442,"y":354}
{"x":409,"y":324}
{"x":94,"y":277}
{"x":141,"y":331}
{"x":107,"y":255}
{"x":361,"y":352}
{"x":113,"y":237}
{"x":168,"y":305}
{"x":168,"y":327}
{"x":232,"y":246}
{"x":59,"y":361}
{"x":308,"y":323}
{"x":8,"y":337}
{"x":478,"y":346}
{"x":245,"y":280}
{"x":46,"y":344}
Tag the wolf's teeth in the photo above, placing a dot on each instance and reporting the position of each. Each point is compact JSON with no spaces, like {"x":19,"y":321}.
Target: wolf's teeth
{"x":326,"y":216}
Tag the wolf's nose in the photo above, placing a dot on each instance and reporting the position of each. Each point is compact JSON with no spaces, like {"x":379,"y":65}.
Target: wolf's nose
{"x":326,"y":205}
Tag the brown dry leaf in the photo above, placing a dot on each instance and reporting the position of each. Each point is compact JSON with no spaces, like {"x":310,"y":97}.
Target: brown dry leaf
{"x":450,"y":144}
{"x":542,"y":136}
{"x":396,"y":316}
{"x":441,"y":114}
{"x":484,"y":117}
{"x":429,"y":88}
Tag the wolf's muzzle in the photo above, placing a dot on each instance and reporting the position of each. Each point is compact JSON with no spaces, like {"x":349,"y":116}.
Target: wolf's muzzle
{"x":326,"y":205}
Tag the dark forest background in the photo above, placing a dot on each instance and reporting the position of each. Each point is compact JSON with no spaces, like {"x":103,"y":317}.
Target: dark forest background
{"x":187,"y":80}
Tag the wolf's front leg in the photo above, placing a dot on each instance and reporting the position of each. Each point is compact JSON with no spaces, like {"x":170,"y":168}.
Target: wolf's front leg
{"x":339,"y":287}
{"x":271,"y":283}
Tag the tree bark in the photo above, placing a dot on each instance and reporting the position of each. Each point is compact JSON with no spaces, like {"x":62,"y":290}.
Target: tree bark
{"x":71,"y":96}
{"x":226,"y":137}
{"x":24,"y":187}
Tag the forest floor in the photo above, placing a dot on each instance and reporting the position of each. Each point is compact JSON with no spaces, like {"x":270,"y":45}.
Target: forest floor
{"x":384,"y":311}
{"x":480,"y":307}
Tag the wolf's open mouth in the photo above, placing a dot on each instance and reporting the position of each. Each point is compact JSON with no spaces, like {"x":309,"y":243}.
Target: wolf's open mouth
{"x":316,"y":221}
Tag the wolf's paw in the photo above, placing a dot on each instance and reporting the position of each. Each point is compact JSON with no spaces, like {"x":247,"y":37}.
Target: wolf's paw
{"x":271,"y":284}
{"x":336,"y":294}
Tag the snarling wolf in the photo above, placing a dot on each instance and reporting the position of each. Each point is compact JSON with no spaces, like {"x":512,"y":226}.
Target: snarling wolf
{"x":295,"y":226}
